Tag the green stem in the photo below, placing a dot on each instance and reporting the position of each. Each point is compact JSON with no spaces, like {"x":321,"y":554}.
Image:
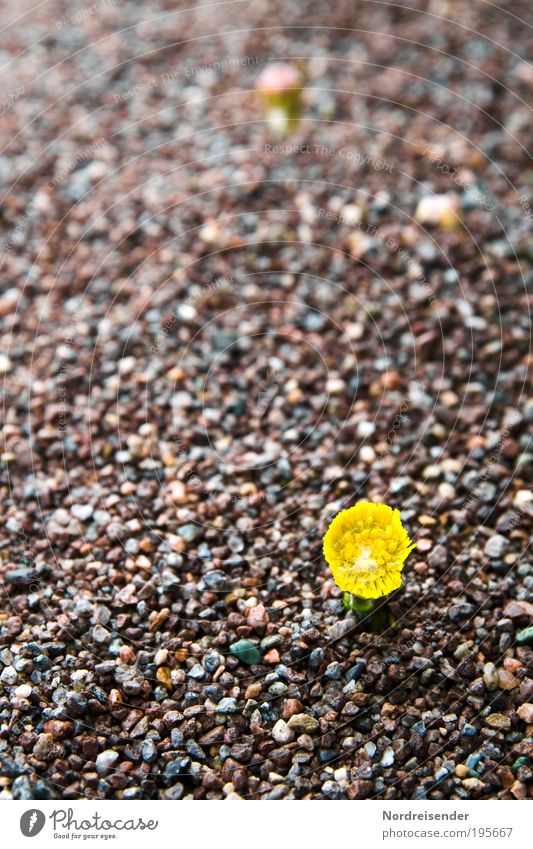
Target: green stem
{"x":355,"y":604}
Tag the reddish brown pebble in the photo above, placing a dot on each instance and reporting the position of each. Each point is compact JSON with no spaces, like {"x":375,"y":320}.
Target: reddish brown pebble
{"x":58,"y":729}
{"x":271,"y":656}
{"x":291,"y":707}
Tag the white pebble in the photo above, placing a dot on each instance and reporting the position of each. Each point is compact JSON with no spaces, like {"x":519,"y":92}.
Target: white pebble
{"x":281,"y":732}
{"x":9,"y":675}
{"x":439,"y":210}
{"x":82,"y":511}
{"x":387,"y":759}
{"x":5,"y":364}
{"x":367,"y":454}
{"x":365,"y":429}
{"x":335,"y":386}
{"x":522,"y":497}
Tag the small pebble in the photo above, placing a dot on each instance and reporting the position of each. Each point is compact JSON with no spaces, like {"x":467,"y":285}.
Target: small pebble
{"x":387,"y":759}
{"x":83,"y":512}
{"x":281,"y":732}
{"x":490,"y":677}
{"x":302,"y":723}
{"x":496,"y":546}
{"x":525,"y":712}
{"x":105,"y":761}
{"x":246,"y":651}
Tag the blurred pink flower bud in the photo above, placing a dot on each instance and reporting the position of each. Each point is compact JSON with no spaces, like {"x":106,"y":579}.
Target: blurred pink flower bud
{"x":277,"y":79}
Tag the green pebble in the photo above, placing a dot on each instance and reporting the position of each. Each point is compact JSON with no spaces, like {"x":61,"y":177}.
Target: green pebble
{"x":525,"y":636}
{"x":246,"y":651}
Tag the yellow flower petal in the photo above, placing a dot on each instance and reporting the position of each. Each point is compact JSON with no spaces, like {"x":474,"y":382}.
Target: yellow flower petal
{"x":366,"y":547}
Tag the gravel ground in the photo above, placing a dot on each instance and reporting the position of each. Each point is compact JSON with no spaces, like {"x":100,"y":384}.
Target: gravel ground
{"x":213,"y":341}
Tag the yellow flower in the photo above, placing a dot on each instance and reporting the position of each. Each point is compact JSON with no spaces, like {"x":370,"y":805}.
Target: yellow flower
{"x":365,"y":547}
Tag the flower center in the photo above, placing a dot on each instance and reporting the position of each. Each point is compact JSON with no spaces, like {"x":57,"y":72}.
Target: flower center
{"x":364,"y":562}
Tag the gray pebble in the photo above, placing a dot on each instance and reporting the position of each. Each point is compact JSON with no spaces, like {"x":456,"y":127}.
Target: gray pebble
{"x":460,"y":611}
{"x":190,"y":532}
{"x":105,"y":761}
{"x":227,"y":705}
{"x":148,"y":751}
{"x":496,"y":547}
{"x":197,"y":672}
